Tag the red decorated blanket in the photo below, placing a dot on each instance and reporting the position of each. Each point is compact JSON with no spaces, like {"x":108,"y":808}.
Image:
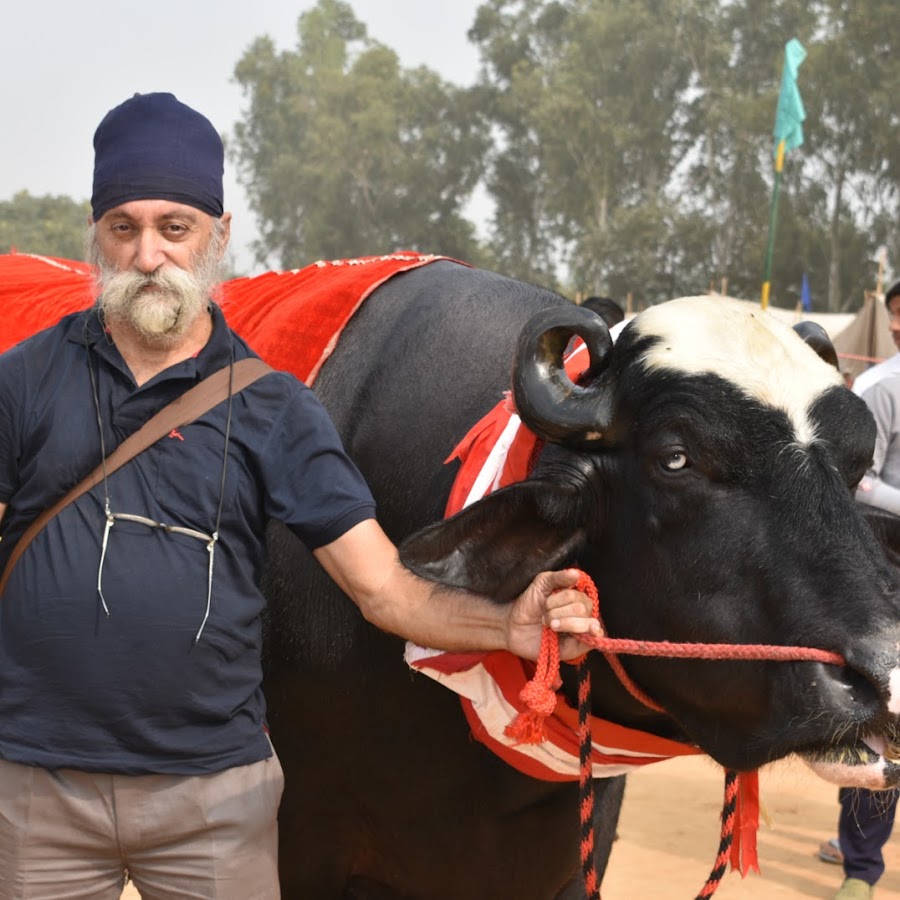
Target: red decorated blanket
{"x":37,"y":291}
{"x":291,"y":319}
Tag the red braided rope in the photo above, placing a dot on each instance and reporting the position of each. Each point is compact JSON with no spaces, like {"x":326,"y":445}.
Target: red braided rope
{"x":726,"y":837}
{"x":610,"y":647}
{"x":775,"y":652}
{"x":585,"y":745}
{"x":586,"y":784}
{"x":539,"y":696}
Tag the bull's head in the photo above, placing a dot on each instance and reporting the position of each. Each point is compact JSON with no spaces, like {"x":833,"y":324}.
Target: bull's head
{"x":702,"y":472}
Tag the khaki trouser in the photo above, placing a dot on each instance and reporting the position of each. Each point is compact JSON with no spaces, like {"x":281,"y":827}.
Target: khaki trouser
{"x":70,"y":835}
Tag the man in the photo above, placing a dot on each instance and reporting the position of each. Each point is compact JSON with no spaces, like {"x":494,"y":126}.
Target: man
{"x":866,"y":818}
{"x":133,"y":730}
{"x":891,"y":365}
{"x":881,"y":486}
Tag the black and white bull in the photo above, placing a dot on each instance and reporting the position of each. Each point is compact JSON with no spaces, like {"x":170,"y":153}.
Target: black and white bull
{"x":702,"y":473}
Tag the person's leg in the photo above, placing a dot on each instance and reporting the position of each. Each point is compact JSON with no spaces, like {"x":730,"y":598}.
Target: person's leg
{"x":57,"y":835}
{"x":864,"y":826}
{"x":212,"y":836}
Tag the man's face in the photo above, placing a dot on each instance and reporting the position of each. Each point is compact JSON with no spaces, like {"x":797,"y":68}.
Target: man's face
{"x":894,"y":316}
{"x":158,"y":262}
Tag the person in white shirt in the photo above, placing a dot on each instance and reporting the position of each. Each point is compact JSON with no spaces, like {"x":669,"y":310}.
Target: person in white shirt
{"x":891,"y":365}
{"x":866,"y":819}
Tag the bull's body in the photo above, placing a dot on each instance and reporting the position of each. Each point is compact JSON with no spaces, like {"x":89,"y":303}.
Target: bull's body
{"x":387,"y":795}
{"x":379,"y":765}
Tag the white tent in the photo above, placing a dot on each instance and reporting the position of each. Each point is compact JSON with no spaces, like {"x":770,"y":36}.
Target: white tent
{"x":867,"y":339}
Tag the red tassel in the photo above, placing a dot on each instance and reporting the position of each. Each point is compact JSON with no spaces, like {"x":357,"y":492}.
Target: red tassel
{"x":539,"y":694}
{"x":526,"y":728}
{"x":743,"y":848}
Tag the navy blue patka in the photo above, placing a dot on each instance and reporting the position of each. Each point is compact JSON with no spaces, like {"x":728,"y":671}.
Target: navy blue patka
{"x":133,"y":691}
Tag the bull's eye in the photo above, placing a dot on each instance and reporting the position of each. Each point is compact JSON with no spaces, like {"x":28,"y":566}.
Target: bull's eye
{"x":674,"y":461}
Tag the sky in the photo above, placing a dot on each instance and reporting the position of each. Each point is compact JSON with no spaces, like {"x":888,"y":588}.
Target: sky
{"x":64,"y":64}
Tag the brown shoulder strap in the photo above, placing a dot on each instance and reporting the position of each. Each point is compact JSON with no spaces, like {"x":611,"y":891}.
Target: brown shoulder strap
{"x":189,"y":406}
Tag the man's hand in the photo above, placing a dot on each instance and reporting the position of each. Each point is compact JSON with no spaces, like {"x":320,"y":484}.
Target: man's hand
{"x":551,"y":601}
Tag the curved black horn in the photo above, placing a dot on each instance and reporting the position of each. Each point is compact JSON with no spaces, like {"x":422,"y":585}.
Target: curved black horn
{"x":546,"y":399}
{"x":817,"y":338}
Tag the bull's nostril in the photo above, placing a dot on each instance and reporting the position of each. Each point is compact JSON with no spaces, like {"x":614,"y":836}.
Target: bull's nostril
{"x":858,"y":686}
{"x":872,"y":661}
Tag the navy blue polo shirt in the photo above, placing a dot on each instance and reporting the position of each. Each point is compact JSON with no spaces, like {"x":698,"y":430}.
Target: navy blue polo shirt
{"x":132,"y":692}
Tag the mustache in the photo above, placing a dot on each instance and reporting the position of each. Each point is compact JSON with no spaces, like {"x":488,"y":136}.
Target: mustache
{"x":129,"y":284}
{"x":160,"y":306}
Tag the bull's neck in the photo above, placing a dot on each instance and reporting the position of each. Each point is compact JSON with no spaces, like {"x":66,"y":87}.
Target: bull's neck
{"x":612,"y":701}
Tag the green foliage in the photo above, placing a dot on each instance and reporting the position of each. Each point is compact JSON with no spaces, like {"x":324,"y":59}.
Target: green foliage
{"x":343,"y":153}
{"x":852,"y":144}
{"x":48,"y":225}
{"x":626,"y":147}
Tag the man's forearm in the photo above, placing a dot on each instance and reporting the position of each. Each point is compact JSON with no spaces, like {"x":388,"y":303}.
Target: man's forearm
{"x":365,"y":565}
{"x":434,"y":616}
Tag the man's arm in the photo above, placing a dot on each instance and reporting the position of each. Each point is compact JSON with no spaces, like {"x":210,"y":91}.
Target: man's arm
{"x":364,"y":564}
{"x":2,"y":510}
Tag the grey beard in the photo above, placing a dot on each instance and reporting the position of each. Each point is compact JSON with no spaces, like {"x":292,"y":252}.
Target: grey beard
{"x":161,"y":306}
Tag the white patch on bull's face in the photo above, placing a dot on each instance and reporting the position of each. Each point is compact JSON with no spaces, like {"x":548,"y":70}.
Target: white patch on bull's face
{"x":743,"y":344}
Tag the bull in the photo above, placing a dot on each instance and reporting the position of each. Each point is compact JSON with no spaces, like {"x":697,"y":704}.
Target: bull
{"x":701,"y":472}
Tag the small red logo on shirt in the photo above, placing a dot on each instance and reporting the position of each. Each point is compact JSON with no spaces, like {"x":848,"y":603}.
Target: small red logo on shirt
{"x":175,"y":433}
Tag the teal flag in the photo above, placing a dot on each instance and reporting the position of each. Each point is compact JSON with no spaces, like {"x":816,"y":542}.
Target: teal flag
{"x":790,"y":113}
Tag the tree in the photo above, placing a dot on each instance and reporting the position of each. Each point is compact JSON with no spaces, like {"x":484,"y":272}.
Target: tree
{"x":48,"y":225}
{"x":583,"y":102}
{"x":853,"y":84}
{"x":722,"y":187}
{"x":627,"y":147}
{"x":344,"y":153}
{"x":848,"y":145}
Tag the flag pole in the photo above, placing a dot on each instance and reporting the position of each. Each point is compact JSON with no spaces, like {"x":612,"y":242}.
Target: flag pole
{"x":773,"y":219}
{"x":788,"y":133}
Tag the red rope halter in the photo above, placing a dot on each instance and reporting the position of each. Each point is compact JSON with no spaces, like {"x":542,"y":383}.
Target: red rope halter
{"x":539,"y":696}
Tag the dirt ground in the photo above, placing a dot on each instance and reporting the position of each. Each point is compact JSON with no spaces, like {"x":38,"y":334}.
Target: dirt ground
{"x":669,"y":834}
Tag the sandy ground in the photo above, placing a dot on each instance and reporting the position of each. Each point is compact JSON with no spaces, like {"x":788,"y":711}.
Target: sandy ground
{"x":669,"y":834}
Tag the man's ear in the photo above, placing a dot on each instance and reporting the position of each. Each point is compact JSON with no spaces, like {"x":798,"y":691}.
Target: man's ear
{"x":225,"y":233}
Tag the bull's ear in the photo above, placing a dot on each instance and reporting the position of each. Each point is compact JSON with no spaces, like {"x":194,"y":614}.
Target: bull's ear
{"x":496,"y":546}
{"x":887,"y":529}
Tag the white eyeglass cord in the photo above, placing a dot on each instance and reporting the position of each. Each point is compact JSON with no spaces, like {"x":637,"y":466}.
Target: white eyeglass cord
{"x":211,"y":549}
{"x":109,"y":524}
{"x":211,"y":540}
